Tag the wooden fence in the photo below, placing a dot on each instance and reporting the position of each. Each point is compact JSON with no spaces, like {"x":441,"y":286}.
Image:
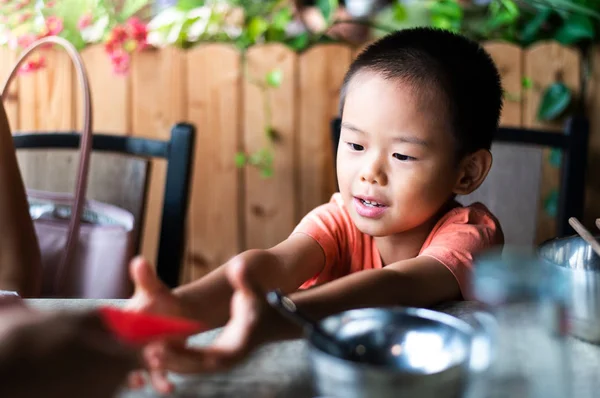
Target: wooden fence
{"x":234,"y":209}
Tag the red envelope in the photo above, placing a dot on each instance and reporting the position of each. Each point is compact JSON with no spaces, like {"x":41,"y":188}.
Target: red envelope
{"x":141,"y":328}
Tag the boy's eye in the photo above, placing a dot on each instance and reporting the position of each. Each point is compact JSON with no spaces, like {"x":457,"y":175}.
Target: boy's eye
{"x":355,"y":147}
{"x":403,"y":158}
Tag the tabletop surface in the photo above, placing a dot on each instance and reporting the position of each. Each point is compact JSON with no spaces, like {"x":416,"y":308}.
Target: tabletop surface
{"x":282,"y":369}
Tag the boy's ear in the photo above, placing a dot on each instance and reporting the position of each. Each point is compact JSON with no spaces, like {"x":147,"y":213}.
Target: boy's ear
{"x":474,"y":168}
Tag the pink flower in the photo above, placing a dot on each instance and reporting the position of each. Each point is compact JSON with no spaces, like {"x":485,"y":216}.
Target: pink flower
{"x":33,"y":65}
{"x":138,"y":31}
{"x":118,"y":35}
{"x":22,"y":4}
{"x":26,"y":40}
{"x":24,"y":17}
{"x":116,"y":39}
{"x":50,"y":4}
{"x":112,"y":46}
{"x":85,"y":20}
{"x":54,"y":25}
{"x":120,"y":60}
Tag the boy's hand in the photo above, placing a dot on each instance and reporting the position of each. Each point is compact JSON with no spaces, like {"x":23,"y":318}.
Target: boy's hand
{"x":153,"y":296}
{"x":252,"y":323}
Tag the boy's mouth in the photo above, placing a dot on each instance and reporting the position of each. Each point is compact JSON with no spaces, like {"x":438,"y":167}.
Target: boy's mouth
{"x":369,"y":207}
{"x":370,"y":203}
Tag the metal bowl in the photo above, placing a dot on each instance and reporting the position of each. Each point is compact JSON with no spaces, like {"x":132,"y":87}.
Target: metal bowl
{"x":406,"y":352}
{"x":579,"y":266}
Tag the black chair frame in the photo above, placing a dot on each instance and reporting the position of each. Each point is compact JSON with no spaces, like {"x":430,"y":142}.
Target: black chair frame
{"x":178,"y":152}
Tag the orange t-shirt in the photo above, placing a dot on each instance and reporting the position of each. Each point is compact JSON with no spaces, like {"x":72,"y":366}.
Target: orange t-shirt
{"x":457,"y":236}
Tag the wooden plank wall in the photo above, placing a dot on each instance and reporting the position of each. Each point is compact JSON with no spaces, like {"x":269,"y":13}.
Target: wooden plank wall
{"x":544,"y":64}
{"x":232,"y":209}
{"x":214,"y":102}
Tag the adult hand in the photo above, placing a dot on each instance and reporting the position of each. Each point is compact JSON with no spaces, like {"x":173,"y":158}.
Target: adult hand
{"x":60,"y":355}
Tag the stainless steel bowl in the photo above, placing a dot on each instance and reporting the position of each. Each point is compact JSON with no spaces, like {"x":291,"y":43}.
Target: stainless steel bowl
{"x":406,"y":352}
{"x":579,"y":266}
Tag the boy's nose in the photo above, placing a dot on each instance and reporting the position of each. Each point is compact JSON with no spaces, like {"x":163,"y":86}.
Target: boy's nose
{"x":373,"y":174}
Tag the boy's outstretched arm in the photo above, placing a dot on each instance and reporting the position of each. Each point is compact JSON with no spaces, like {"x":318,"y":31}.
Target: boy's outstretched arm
{"x":285,"y":266}
{"x":422,"y":281}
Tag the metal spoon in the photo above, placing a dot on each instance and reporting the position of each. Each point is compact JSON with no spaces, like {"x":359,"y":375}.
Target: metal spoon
{"x":324,"y":339}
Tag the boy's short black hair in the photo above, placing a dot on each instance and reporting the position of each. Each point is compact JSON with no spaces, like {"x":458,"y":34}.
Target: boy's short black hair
{"x":458,"y":68}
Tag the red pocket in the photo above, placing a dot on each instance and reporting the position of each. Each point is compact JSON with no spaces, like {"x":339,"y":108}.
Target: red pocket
{"x":141,"y":328}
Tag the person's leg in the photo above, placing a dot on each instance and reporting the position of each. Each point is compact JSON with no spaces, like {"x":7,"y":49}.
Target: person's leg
{"x":20,"y":258}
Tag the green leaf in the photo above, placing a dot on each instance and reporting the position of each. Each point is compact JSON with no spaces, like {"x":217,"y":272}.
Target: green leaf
{"x":274,"y":78}
{"x":512,"y":97}
{"x":551,"y":203}
{"x":270,"y":133}
{"x":240,"y":159}
{"x":500,"y":20}
{"x":564,"y":7}
{"x":555,"y":158}
{"x":443,"y":22}
{"x":511,"y":8}
{"x":555,"y":100}
{"x":131,"y":7}
{"x":502,"y":13}
{"x":495,"y":7}
{"x":400,"y":13}
{"x":448,"y":8}
{"x":299,"y":42}
{"x":70,"y":11}
{"x":256,"y":28}
{"x":267,"y":156}
{"x":187,"y":5}
{"x":274,"y":35}
{"x":526,"y":83}
{"x":533,"y":26}
{"x":575,"y":29}
{"x":255,"y":159}
{"x":266,"y":172}
{"x":282,"y":18}
{"x":327,"y":8}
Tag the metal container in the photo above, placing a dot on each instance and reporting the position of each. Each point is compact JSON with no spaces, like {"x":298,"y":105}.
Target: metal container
{"x":579,"y":265}
{"x":406,"y":352}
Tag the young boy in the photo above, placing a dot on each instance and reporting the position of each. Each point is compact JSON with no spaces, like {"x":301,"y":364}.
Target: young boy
{"x":419,"y":109}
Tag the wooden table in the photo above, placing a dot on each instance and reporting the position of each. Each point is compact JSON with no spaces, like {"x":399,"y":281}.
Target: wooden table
{"x":282,"y":370}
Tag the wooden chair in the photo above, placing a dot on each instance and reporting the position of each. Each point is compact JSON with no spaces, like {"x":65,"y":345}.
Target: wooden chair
{"x":119,"y":174}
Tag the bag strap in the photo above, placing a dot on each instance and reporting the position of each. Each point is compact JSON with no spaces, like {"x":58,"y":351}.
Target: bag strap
{"x":85,"y":147}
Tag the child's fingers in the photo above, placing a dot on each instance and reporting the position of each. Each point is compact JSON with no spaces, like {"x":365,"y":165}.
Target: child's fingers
{"x":144,"y":278}
{"x":153,"y":354}
{"x":160,"y":381}
{"x":136,"y":380}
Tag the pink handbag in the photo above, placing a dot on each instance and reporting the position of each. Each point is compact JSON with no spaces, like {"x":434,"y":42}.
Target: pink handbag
{"x":85,"y":255}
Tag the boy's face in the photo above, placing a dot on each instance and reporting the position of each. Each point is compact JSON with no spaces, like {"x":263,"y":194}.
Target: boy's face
{"x":396,"y":162}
